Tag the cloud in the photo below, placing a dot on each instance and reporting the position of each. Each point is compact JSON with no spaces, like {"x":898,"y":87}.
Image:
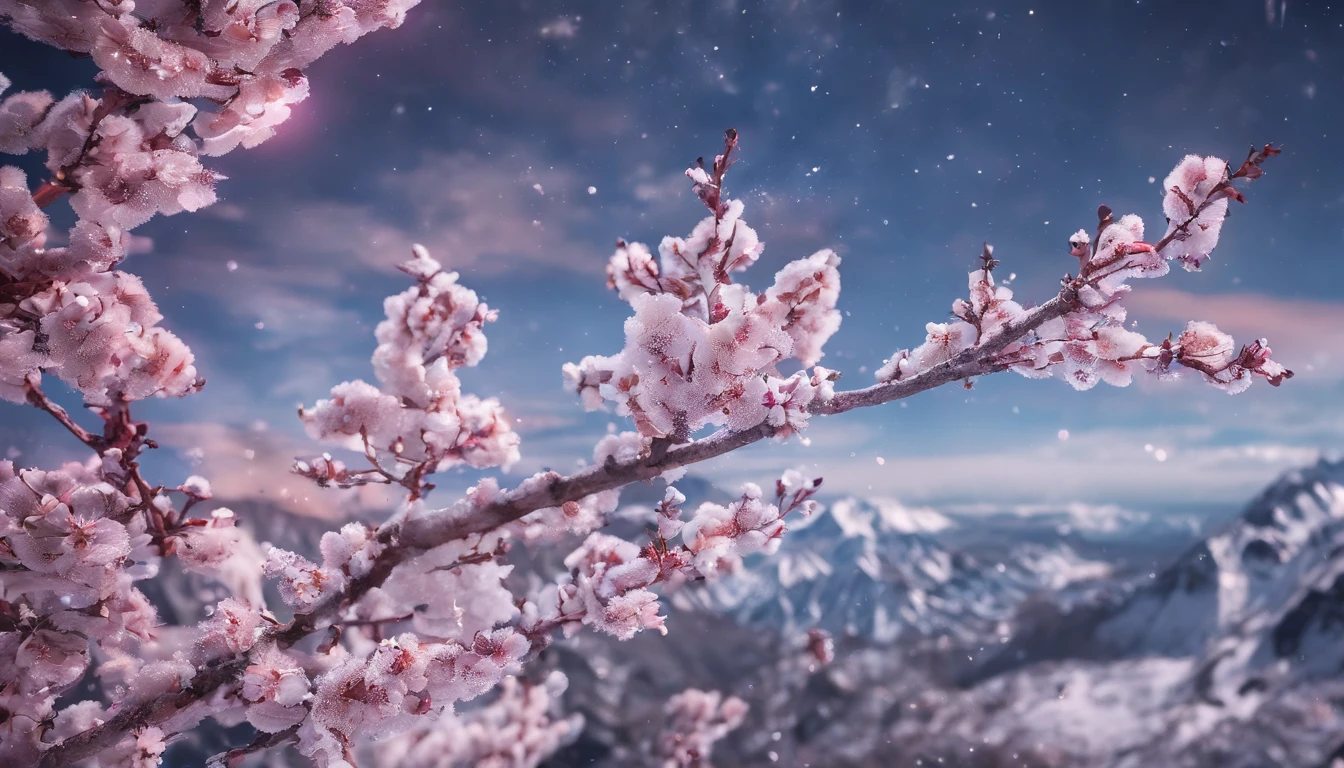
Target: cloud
{"x":562,"y":28}
{"x":492,"y":212}
{"x":253,"y":465}
{"x":1101,"y":466}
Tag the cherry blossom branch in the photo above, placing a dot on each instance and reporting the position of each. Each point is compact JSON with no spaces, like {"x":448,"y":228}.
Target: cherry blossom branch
{"x":90,"y":742}
{"x":418,"y":534}
{"x":65,"y":179}
{"x":408,"y":539}
{"x":401,"y":541}
{"x":122,"y":441}
{"x":687,"y":365}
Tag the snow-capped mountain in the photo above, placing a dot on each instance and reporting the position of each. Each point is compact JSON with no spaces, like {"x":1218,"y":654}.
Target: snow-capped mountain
{"x":1277,"y":562}
{"x":1232,"y":655}
{"x":878,"y":569}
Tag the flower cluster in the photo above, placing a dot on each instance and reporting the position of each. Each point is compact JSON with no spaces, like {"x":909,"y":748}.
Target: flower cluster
{"x":400,"y":682}
{"x":518,"y":729}
{"x":129,"y":154}
{"x":74,"y":542}
{"x":609,"y":579}
{"x":72,"y":547}
{"x":1088,"y":342}
{"x":696,"y":720}
{"x":419,"y":419}
{"x":702,"y":350}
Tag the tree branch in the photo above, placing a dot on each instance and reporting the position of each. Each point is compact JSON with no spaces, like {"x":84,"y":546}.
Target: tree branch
{"x":411,"y":537}
{"x":38,"y":399}
{"x":403,"y":540}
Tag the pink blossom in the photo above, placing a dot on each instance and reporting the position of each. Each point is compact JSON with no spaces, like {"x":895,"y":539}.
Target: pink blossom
{"x":720,"y":536}
{"x":519,"y":728}
{"x":302,"y":583}
{"x":1205,"y":345}
{"x":275,"y":677}
{"x":232,"y":628}
{"x":1195,"y":207}
{"x":632,"y":271}
{"x":696,"y":720}
{"x":276,"y":687}
{"x":803,"y":300}
{"x":944,"y":341}
{"x":205,"y":547}
{"x":20,"y":114}
{"x":356,"y":411}
{"x":52,"y":658}
{"x":251,"y":117}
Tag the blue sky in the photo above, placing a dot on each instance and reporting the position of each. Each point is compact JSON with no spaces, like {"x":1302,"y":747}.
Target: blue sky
{"x":901,"y":134}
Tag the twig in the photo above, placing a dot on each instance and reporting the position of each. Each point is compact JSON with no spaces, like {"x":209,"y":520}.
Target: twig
{"x":263,"y":742}
{"x":38,"y":399}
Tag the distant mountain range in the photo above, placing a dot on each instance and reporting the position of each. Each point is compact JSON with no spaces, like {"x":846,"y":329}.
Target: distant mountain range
{"x":878,"y":570}
{"x":1029,"y":637}
{"x":1048,"y":637}
{"x":1233,"y":655}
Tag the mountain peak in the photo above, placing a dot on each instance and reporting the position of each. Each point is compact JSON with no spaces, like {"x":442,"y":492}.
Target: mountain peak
{"x":870,"y":518}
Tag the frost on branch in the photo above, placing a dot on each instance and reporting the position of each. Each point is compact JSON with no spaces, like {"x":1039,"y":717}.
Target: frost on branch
{"x":696,"y":720}
{"x":702,"y":350}
{"x":1087,"y":343}
{"x":589,"y":513}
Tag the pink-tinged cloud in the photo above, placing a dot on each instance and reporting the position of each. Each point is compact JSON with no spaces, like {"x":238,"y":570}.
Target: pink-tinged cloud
{"x":253,"y":465}
{"x":1306,"y":335}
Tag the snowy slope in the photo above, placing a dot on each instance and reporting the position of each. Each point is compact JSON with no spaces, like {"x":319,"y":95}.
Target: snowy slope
{"x":1229,"y":657}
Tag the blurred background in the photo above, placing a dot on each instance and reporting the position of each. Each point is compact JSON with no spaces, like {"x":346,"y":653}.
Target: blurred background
{"x":1015,"y":574}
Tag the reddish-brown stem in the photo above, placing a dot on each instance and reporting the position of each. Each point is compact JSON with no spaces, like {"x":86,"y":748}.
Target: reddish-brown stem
{"x":49,"y":193}
{"x":38,"y":399}
{"x":119,"y":431}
